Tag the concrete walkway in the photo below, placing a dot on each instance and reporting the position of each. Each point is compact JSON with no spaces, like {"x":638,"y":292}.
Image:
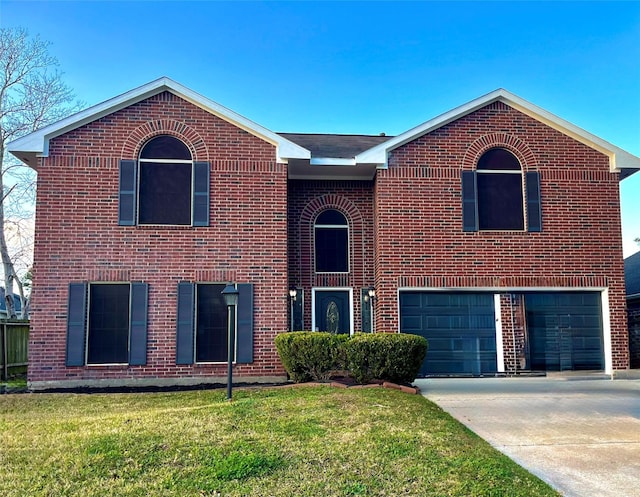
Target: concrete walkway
{"x":580,"y":436}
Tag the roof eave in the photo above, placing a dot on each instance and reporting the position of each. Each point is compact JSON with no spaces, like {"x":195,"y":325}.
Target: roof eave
{"x":332,"y":161}
{"x":36,"y":144}
{"x":618,"y":158}
{"x":330,"y":168}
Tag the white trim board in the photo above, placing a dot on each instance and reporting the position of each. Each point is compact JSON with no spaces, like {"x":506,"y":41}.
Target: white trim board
{"x":618,"y":158}
{"x":36,"y":144}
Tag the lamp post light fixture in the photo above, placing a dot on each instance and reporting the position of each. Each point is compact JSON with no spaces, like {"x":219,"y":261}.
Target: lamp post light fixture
{"x":230,"y":295}
{"x":372,"y":295}
{"x":293,"y":294}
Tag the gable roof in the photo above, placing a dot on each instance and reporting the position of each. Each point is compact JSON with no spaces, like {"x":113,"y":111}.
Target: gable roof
{"x":619,"y":160}
{"x":304,"y":151}
{"x":632,"y":275}
{"x":36,"y":144}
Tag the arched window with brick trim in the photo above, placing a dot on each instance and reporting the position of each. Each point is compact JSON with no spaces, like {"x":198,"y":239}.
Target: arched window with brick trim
{"x":494,"y":198}
{"x":164,"y":186}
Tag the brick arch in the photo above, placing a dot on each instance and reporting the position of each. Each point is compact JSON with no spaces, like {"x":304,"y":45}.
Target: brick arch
{"x":500,"y":140}
{"x":319,"y":204}
{"x":139,"y":136}
{"x":306,"y":255}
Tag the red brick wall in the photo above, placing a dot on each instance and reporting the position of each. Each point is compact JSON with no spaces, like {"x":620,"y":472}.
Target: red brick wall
{"x":355,"y":200}
{"x":78,"y":237}
{"x":419,"y":237}
{"x":513,"y":332}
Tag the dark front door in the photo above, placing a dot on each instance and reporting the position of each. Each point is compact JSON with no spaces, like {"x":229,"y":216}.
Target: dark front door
{"x":332,"y":311}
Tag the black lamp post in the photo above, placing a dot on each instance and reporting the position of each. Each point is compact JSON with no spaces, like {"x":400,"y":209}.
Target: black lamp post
{"x":230,"y":295}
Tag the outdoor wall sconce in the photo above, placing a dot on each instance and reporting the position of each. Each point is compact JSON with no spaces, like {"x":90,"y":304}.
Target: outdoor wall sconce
{"x":230,"y":295}
{"x":371,"y":294}
{"x":293,"y":292}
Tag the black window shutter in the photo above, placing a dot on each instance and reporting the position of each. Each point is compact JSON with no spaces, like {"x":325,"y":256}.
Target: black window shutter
{"x":138,"y":324}
{"x":201,"y":194}
{"x":244,"y":353}
{"x":186,"y":328}
{"x":534,"y":210}
{"x":469,"y":201}
{"x":76,"y":324}
{"x":127,"y":193}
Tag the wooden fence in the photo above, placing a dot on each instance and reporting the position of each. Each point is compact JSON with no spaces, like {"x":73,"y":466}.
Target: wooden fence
{"x":14,"y":341}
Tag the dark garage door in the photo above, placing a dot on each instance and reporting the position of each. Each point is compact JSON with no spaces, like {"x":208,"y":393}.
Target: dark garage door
{"x":460,"y":328}
{"x":565,"y":331}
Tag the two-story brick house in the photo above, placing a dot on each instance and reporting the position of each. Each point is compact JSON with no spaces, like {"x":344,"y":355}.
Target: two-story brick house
{"x":493,"y":230}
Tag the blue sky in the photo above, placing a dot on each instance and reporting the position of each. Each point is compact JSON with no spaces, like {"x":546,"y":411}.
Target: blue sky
{"x":360,"y":67}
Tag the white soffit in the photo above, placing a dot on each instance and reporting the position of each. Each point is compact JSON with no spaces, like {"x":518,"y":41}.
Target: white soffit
{"x":618,"y":158}
{"x":36,"y":144}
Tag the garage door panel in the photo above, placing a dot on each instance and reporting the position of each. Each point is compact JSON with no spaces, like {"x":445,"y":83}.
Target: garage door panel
{"x":460,"y":328}
{"x":565,"y":330}
{"x":411,"y":322}
{"x":412,"y":301}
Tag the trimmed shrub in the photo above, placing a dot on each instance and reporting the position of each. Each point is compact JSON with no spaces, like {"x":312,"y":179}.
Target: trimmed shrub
{"x":395,"y":357}
{"x":311,"y":355}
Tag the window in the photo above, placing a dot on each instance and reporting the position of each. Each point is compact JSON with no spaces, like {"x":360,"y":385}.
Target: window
{"x":107,"y":324}
{"x":164,"y":187}
{"x":493,"y":197}
{"x":211,"y":324}
{"x":202,"y":327}
{"x":331,"y":242}
{"x":165,"y":182}
{"x":108,"y":328}
{"x":500,"y":205}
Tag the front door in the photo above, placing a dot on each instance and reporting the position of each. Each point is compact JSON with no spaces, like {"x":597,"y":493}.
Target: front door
{"x":332,"y":311}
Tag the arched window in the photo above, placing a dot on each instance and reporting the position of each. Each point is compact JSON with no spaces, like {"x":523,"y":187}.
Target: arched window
{"x":331,"y":242}
{"x":165,"y":183}
{"x":499,"y":183}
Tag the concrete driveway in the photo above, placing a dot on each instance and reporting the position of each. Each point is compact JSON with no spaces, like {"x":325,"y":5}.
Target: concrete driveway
{"x":580,"y":436}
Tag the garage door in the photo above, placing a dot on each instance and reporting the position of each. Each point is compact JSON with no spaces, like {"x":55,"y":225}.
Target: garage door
{"x":460,"y":328}
{"x":565,"y":331}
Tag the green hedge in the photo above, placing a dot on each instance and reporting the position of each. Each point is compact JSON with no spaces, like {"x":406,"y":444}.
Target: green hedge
{"x":395,"y":357}
{"x":311,"y":355}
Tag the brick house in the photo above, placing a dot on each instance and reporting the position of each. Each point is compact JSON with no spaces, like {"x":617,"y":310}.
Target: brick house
{"x":632,"y":281}
{"x":493,"y":230}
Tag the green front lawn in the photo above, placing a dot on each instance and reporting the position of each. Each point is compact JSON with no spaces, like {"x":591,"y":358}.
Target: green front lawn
{"x":308,"y":441}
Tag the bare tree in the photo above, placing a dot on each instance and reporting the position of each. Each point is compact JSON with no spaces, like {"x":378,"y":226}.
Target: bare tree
{"x":32,"y":95}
